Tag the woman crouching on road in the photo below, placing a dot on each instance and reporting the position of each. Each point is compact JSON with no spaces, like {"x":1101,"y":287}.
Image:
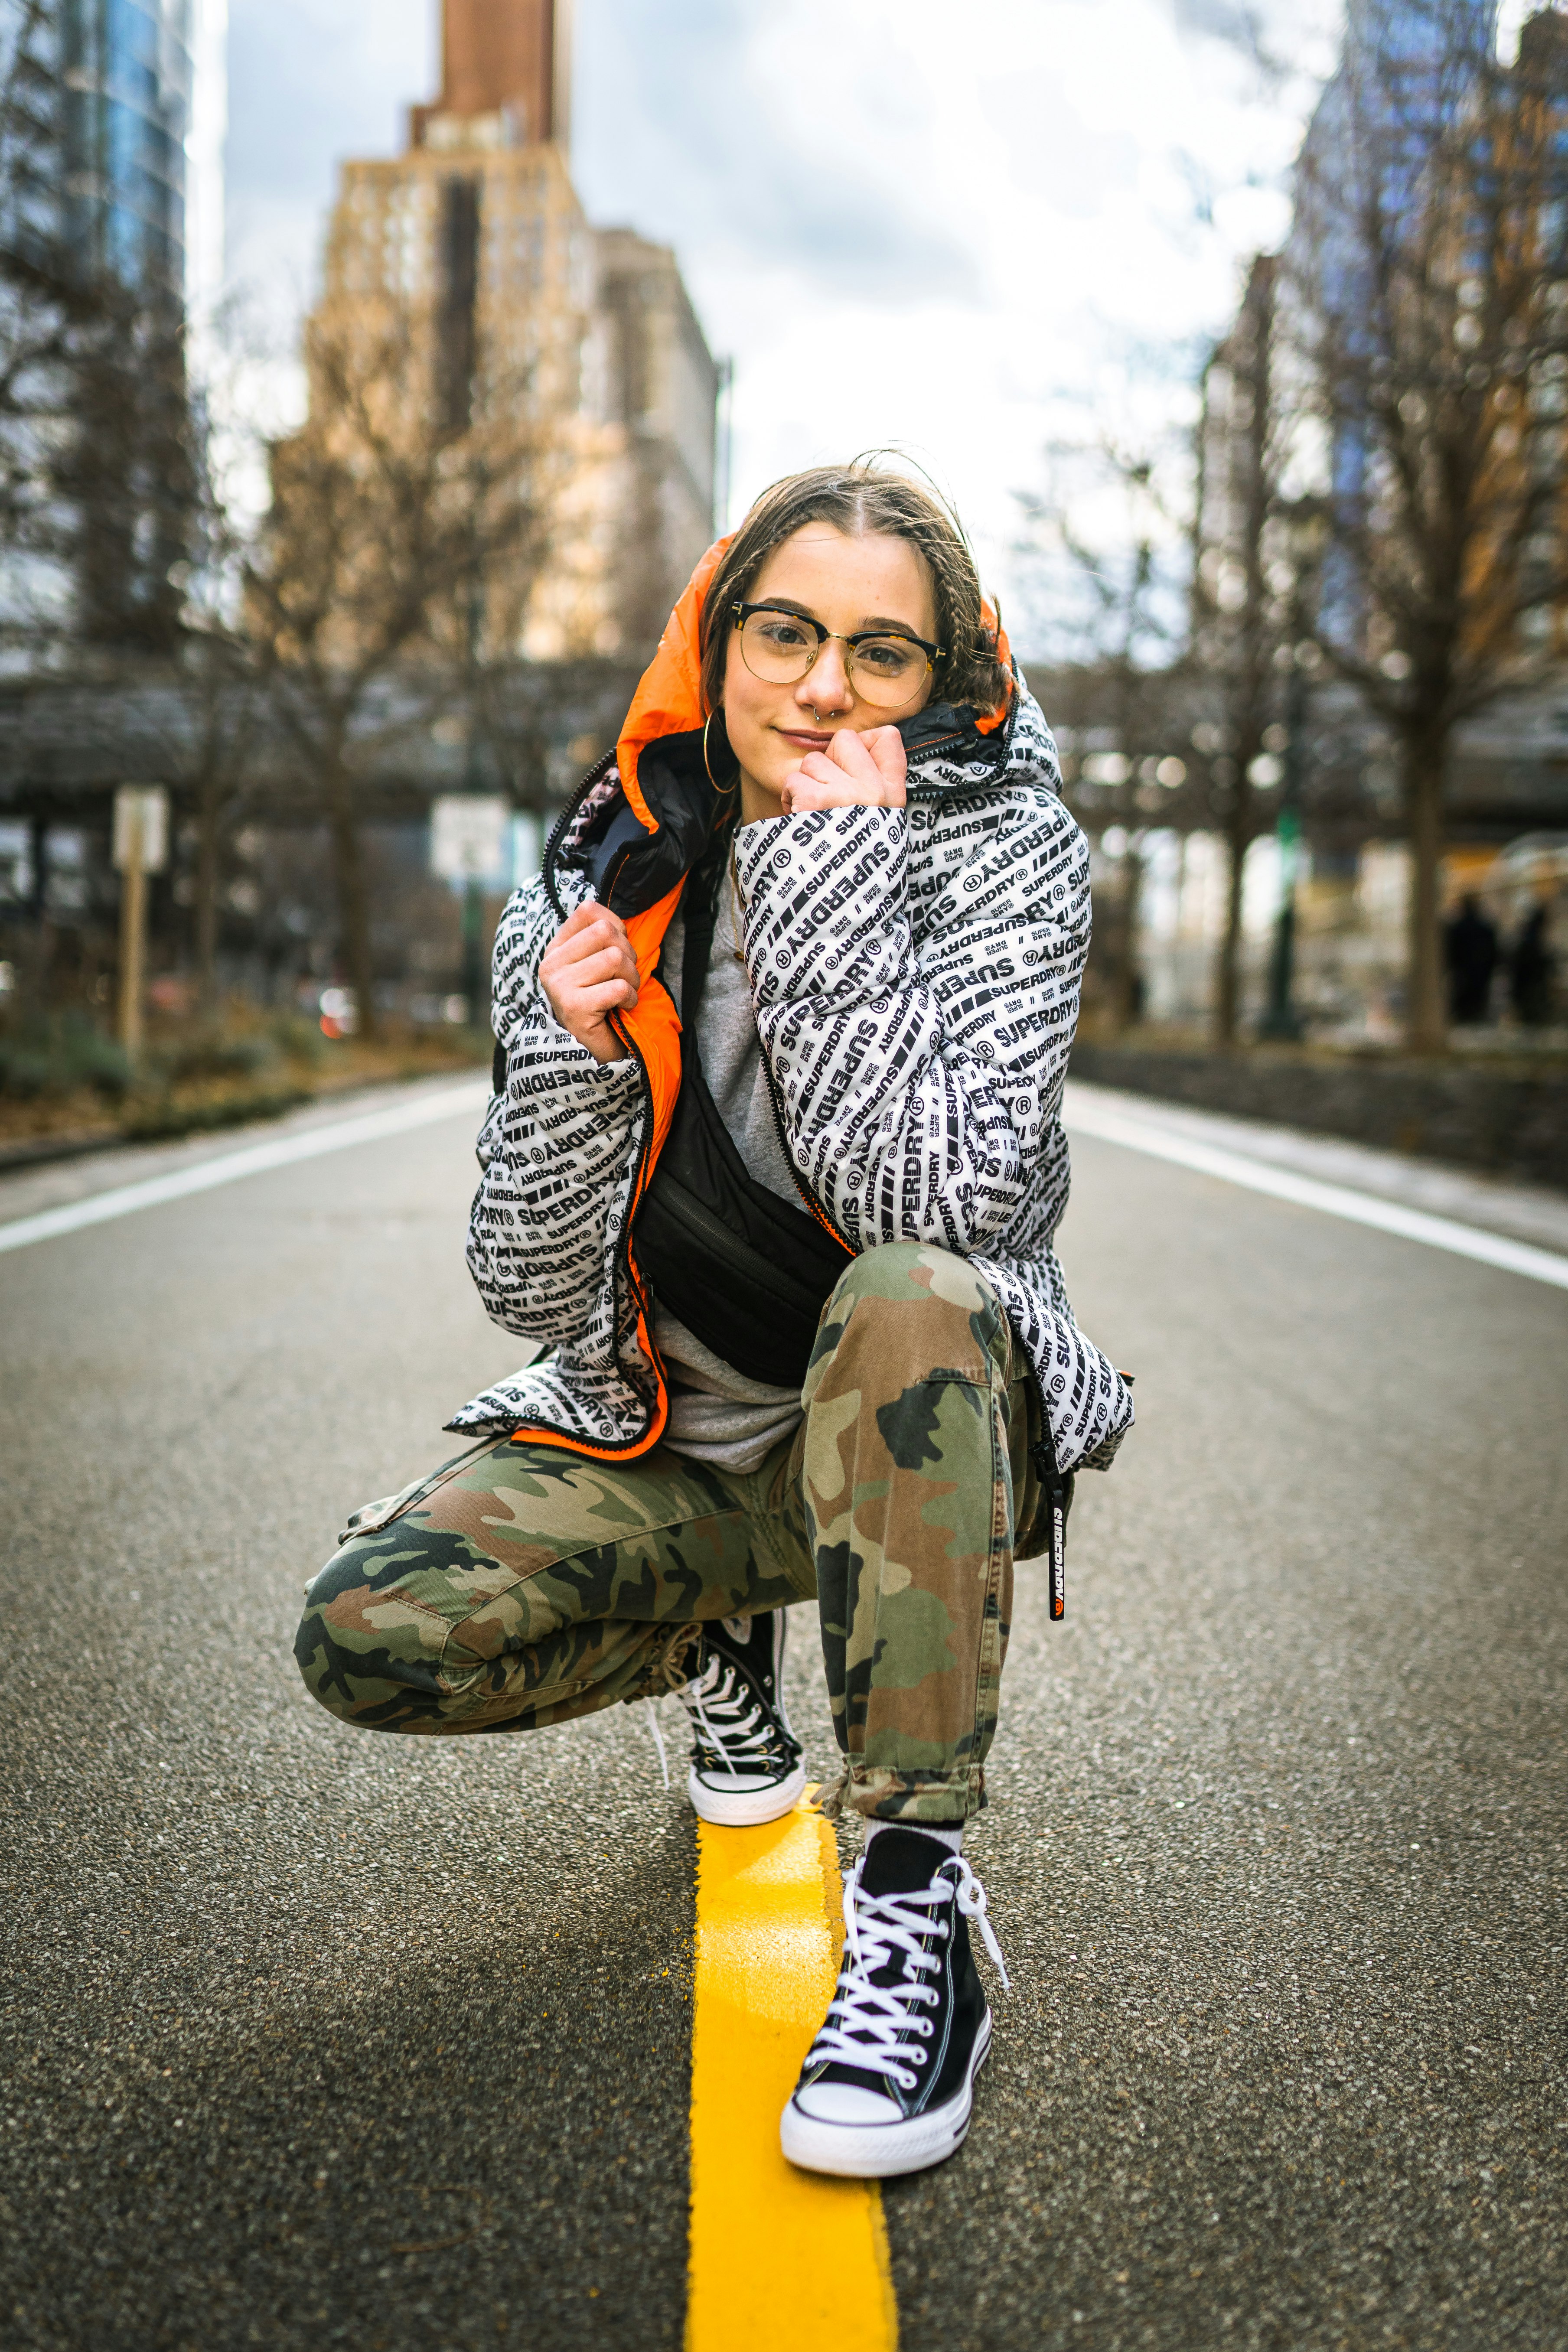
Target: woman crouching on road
{"x":772,"y":1169}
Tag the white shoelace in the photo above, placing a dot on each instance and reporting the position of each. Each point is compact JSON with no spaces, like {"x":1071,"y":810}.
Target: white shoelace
{"x":741,"y":1739}
{"x":872,"y":2019}
{"x":658,"y":1739}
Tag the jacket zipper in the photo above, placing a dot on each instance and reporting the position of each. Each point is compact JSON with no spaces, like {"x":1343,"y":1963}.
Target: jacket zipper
{"x":809,"y":1197}
{"x":600,"y":769}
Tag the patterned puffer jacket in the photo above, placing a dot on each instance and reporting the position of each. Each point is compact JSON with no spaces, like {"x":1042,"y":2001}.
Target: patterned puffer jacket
{"x":915,"y":974}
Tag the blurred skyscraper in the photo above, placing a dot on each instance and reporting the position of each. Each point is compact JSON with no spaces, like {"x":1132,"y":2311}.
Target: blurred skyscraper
{"x":111,"y":232}
{"x":506,"y":57}
{"x":126,"y":77}
{"x":1407,"y":70}
{"x":138,"y":109}
{"x":477,"y":234}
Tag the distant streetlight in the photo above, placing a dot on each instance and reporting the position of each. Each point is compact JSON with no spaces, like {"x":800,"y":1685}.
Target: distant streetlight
{"x":1305,"y":532}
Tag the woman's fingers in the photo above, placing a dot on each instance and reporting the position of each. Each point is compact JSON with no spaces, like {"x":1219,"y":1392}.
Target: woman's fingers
{"x":885,"y":747}
{"x":604,"y":996}
{"x":588,"y":971}
{"x":849,"y":753}
{"x":817,"y":783}
{"x":856,"y":770}
{"x":800,"y":794}
{"x":571,"y":955}
{"x":598,"y":962}
{"x":586,"y":929}
{"x":610,"y":964}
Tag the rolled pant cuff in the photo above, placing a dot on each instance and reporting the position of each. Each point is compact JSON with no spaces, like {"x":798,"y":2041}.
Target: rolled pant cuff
{"x":942,"y":1798}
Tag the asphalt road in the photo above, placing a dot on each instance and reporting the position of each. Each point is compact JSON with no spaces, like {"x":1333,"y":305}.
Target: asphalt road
{"x":312,"y":2037}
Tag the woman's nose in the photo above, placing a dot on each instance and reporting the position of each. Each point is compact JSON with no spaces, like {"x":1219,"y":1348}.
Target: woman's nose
{"x":826,"y":685}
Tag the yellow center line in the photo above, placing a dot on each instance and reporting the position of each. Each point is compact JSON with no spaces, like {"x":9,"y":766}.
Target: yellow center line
{"x":781,"y":2261}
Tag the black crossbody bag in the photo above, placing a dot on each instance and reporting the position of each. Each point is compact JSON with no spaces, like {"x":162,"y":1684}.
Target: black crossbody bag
{"x":747,"y":1271}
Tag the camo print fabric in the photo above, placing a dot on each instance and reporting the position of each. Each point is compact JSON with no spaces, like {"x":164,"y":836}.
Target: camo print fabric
{"x":915,"y":974}
{"x":522,"y":1585}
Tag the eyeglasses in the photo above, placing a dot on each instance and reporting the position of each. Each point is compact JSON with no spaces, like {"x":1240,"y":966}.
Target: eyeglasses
{"x":885,"y":666}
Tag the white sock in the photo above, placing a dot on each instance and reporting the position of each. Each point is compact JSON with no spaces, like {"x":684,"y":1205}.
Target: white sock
{"x":947,"y":1833}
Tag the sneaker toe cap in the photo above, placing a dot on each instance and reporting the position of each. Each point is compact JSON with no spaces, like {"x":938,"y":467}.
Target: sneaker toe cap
{"x":845,"y":2103}
{"x":739,"y":1784}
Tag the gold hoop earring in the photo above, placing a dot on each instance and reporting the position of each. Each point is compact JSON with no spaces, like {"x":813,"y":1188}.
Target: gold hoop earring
{"x":722,"y":790}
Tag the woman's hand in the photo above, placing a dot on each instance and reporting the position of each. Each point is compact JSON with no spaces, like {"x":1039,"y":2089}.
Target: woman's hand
{"x":587,"y":972}
{"x":855,"y":771}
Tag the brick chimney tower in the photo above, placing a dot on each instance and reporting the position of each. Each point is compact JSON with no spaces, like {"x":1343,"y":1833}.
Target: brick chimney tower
{"x":505,"y":59}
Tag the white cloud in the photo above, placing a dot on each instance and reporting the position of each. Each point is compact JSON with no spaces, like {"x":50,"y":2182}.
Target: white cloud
{"x":943,"y":231}
{"x":955,"y":230}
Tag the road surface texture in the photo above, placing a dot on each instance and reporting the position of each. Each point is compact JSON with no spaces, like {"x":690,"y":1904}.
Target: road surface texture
{"x":315,"y":2038}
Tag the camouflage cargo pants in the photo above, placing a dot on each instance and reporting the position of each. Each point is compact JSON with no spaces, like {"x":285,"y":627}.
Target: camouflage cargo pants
{"x":522,"y":1585}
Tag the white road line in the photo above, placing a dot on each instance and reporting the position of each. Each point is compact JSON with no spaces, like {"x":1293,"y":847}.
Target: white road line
{"x":227,"y":1167}
{"x":1308,"y":1193}
{"x":1109,"y":1126}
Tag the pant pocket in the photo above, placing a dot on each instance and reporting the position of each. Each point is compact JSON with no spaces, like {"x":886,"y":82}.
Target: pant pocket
{"x":371,"y":1518}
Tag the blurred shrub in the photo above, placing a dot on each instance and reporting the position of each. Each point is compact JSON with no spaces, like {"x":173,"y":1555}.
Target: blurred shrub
{"x":209,"y":1057}
{"x":155,"y":1117}
{"x":61,"y":1057}
{"x":299,"y":1037}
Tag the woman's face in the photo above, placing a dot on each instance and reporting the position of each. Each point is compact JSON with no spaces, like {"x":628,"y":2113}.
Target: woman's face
{"x":846,"y":584}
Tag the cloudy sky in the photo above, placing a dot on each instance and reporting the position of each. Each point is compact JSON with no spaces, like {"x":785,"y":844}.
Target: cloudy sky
{"x":967,"y":232}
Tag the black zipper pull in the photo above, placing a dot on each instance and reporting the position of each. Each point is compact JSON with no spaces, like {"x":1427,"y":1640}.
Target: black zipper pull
{"x":1056,"y":1487}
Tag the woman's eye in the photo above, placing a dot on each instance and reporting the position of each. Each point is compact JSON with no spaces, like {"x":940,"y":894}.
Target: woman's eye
{"x":888,"y":657}
{"x":788,"y":635}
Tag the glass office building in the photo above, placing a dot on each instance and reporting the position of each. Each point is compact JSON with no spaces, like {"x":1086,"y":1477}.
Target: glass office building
{"x":127,"y":85}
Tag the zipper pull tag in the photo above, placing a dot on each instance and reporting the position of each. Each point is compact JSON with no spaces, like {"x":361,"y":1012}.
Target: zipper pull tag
{"x":1059,"y":1551}
{"x":1056,"y":1522}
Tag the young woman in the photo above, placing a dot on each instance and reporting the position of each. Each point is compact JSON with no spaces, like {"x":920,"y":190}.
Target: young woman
{"x":772,"y":1170}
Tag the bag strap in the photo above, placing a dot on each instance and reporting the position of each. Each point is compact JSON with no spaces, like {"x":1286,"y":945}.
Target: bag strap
{"x":699,"y":907}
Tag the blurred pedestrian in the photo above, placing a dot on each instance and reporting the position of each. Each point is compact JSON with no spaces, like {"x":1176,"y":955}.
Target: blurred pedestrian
{"x":772,"y":1171}
{"x":1532,"y":969}
{"x":1471,"y":946}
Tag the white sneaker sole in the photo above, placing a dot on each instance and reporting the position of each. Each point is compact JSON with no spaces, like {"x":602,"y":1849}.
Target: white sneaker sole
{"x":882,"y":2151}
{"x":746,"y":1808}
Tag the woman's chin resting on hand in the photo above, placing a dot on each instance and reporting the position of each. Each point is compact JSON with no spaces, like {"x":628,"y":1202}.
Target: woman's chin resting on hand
{"x":855,"y":771}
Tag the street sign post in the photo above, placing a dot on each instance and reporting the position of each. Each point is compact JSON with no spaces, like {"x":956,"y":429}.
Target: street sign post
{"x":471,"y":837}
{"x":468,"y":837}
{"x":140,"y":847}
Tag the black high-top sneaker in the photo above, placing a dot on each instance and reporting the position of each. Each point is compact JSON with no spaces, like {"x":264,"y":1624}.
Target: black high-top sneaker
{"x":887,"y":2083}
{"x":745,"y":1760}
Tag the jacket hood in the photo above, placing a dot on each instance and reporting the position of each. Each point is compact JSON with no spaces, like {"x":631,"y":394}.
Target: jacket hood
{"x":668,"y":701}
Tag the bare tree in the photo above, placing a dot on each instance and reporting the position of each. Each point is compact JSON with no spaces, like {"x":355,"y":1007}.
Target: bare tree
{"x":219,"y":665}
{"x":408,"y":523}
{"x":1429,"y":325}
{"x":1113,"y":628}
